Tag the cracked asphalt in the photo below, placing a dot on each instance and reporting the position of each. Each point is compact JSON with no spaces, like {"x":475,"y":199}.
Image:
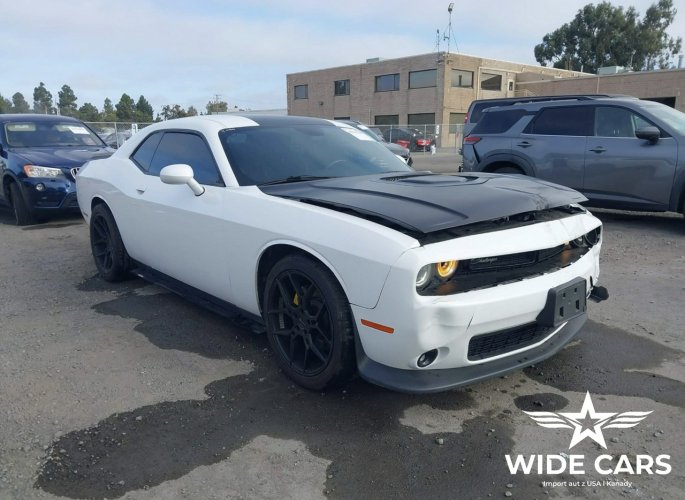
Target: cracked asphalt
{"x":128,"y":391}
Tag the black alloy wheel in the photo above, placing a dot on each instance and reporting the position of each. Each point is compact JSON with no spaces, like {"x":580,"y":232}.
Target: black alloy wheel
{"x":111,"y":258}
{"x":308,"y":323}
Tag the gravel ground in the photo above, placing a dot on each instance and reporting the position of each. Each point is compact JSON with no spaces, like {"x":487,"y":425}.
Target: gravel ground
{"x":128,"y":391}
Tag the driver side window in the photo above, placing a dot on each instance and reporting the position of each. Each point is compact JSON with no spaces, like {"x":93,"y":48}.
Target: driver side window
{"x":161,"y":149}
{"x":189,"y":149}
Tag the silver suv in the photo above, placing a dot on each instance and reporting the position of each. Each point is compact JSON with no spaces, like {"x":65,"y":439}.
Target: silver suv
{"x":620,"y":152}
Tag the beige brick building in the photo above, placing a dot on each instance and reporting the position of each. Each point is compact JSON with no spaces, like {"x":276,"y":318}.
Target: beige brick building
{"x":427,"y":89}
{"x":665,"y":86}
{"x":434,"y":90}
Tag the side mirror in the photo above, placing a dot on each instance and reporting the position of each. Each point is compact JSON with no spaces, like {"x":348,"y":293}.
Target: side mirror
{"x":650,"y":134}
{"x":181,"y":174}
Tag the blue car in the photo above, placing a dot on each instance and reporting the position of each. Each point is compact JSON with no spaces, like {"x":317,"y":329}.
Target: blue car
{"x":40,"y":156}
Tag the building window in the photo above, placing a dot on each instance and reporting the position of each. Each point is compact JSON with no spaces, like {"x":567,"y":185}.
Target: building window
{"x":386,"y":83}
{"x":341,"y":87}
{"x":421,"y":79}
{"x":490,"y":81}
{"x":457,"y":123}
{"x":301,"y":91}
{"x":387,"y":120}
{"x":461,"y":78}
{"x":425,"y":122}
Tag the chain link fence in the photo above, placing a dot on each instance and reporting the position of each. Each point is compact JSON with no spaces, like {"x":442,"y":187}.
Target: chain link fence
{"x":115,"y":133}
{"x":422,"y":137}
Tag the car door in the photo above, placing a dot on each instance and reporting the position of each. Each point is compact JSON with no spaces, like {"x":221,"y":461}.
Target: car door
{"x":172,"y":230}
{"x":623,"y":171}
{"x":554,"y":143}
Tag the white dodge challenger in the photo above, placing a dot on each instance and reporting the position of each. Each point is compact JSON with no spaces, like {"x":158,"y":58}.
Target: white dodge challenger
{"x":351,"y":260}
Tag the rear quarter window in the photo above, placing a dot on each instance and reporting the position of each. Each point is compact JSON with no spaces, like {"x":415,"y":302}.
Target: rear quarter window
{"x":477,"y":112}
{"x":497,"y":122}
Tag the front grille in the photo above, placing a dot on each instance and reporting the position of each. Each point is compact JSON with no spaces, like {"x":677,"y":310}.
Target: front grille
{"x":484,"y":272}
{"x":502,"y":261}
{"x":511,"y":339}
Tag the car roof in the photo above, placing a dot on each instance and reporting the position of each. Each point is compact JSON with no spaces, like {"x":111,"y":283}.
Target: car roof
{"x":16,"y":117}
{"x":578,"y":97}
{"x":534,"y":106}
{"x":210,"y":125}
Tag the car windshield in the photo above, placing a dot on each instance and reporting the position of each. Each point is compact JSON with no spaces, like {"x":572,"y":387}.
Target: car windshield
{"x":49,"y":134}
{"x":673,"y":118}
{"x":267,"y":154}
{"x":370,"y":132}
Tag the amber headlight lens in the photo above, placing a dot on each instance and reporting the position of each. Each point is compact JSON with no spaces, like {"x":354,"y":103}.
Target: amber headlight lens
{"x":446,"y":269}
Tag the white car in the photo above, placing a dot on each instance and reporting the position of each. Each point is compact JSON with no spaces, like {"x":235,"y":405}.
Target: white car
{"x":351,"y":260}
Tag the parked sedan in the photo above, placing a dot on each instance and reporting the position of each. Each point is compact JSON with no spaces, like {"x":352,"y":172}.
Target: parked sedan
{"x":376,"y":135}
{"x":412,"y":139}
{"x":349,"y":259}
{"x":39,"y":158}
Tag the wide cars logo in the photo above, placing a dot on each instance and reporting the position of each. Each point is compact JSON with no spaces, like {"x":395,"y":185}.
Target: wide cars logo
{"x":587,"y":423}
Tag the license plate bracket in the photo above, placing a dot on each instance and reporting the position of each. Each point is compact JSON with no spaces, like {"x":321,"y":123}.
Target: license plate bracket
{"x":564,"y":302}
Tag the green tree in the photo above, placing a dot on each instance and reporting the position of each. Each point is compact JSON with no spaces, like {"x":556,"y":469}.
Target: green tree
{"x":144,"y":110}
{"x":126,"y":109}
{"x":88,"y":113}
{"x":42,"y":100}
{"x":19,"y":104}
{"x":171,"y":112}
{"x":192,"y":111}
{"x":5,"y":105}
{"x":217,"y":107}
{"x":108,"y":113}
{"x":658,"y":48}
{"x":67,"y":101}
{"x":605,"y":35}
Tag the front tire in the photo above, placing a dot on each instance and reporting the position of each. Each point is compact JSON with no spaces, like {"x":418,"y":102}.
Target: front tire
{"x":109,"y":253}
{"x":309,"y":323}
{"x":22,"y":214}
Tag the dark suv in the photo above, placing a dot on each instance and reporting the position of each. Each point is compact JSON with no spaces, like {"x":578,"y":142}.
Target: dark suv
{"x":620,"y":152}
{"x":40,"y":156}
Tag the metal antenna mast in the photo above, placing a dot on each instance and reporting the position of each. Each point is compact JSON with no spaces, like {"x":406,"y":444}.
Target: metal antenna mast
{"x":449,"y":33}
{"x":437,"y":40}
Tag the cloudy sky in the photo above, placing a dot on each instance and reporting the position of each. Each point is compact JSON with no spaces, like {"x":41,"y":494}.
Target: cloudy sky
{"x":185,"y":52}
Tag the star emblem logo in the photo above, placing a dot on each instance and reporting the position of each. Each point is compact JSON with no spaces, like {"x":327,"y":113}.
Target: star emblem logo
{"x":587,"y":423}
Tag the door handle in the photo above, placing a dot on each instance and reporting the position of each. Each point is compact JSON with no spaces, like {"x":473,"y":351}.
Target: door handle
{"x":140,"y":190}
{"x":524,"y":144}
{"x":598,"y":149}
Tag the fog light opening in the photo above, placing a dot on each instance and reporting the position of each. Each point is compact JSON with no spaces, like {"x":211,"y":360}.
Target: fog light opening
{"x":427,"y":358}
{"x":40,"y":187}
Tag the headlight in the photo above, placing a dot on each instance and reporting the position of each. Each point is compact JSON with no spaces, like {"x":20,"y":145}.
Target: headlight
{"x":38,"y":171}
{"x":446,"y":269}
{"x":442,"y":270}
{"x":423,"y":276}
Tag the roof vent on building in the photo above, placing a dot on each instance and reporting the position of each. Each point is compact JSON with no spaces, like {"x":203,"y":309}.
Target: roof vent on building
{"x":374,"y":59}
{"x":611,"y":70}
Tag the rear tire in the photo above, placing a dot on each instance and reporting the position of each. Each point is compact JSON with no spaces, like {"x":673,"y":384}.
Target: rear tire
{"x":109,"y":253}
{"x":508,"y":170}
{"x":22,"y":215}
{"x":309,"y":323}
